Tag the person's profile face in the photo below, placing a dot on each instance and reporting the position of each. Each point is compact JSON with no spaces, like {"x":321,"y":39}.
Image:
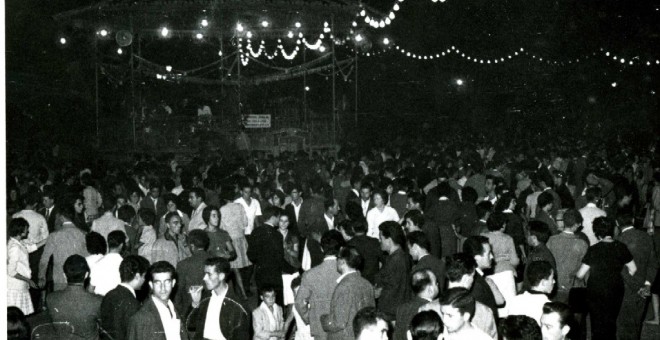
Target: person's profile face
{"x":214,"y":218}
{"x":551,"y":328}
{"x":485,"y":260}
{"x":378,"y":200}
{"x":452,"y":318}
{"x":194,"y":200}
{"x":171,"y":206}
{"x":268,"y":298}
{"x":78,"y":206}
{"x":161,"y":286}
{"x":212,"y":279}
{"x":134,"y":197}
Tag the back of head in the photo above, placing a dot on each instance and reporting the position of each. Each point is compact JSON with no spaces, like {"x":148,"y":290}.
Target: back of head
{"x":537,"y":271}
{"x":520,"y":327}
{"x":474,"y":245}
{"x":116,"y":239}
{"x":199,"y":239}
{"x":572,"y":218}
{"x":147,"y":216}
{"x":483,"y":208}
{"x":416,"y":217}
{"x":126,"y":213}
{"x":132,"y":265}
{"x":199,"y":192}
{"x":603,"y":227}
{"x":392,"y":230}
{"x":540,"y":230}
{"x":17,"y":226}
{"x":96,"y":243}
{"x":419,"y":238}
{"x":421,"y":279}
{"x":352,"y":257}
{"x":18,"y":327}
{"x":459,"y":298}
{"x":75,"y":269}
{"x":366,"y":317}
{"x":444,"y":190}
{"x":592,"y":194}
{"x":331,"y":242}
{"x":469,"y":194}
{"x":496,"y":221}
{"x":271,"y":211}
{"x":544,"y":199}
{"x":426,"y":325}
{"x":458,"y":265}
{"x":562,"y":309}
{"x":31,"y":199}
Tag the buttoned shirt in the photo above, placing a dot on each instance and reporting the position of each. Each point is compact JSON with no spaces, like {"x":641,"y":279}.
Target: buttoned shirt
{"x":105,"y":274}
{"x":296,"y":208}
{"x":170,"y":320}
{"x":212,"y":329}
{"x":252,"y":210}
{"x":365,"y":206}
{"x":196,"y":219}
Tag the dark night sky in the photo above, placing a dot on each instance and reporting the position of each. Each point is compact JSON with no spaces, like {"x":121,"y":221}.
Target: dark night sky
{"x":48,"y":84}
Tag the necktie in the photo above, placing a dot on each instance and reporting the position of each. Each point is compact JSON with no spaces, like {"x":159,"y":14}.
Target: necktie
{"x":170,"y":310}
{"x":47,"y":213}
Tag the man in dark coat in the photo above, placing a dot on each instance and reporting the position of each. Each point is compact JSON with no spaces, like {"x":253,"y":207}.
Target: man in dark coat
{"x":425,"y":287}
{"x":478,"y":248}
{"x":393,"y":279}
{"x":418,"y":247}
{"x":311,"y":211}
{"x":190,"y":271}
{"x":443,"y":213}
{"x":355,"y":233}
{"x":120,"y":304}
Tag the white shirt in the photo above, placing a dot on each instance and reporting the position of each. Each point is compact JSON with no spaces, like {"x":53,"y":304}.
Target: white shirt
{"x":171,"y":322}
{"x":196,"y":219}
{"x":105,"y":274}
{"x":38,"y":227}
{"x":375,"y":217}
{"x":365,"y":206}
{"x":530,"y":304}
{"x":212,"y":324}
{"x":532,"y":201}
{"x":589,"y":213}
{"x":330,"y":220}
{"x":252,"y":211}
{"x":296,"y":208}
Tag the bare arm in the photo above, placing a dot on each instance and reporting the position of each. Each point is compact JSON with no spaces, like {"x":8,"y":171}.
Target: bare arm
{"x":582,"y":272}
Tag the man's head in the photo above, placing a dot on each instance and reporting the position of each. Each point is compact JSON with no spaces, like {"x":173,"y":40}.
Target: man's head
{"x":484,"y":209}
{"x":520,"y":327}
{"x":198,"y":240}
{"x":76,"y":269}
{"x":148,"y":216}
{"x":196,"y":197}
{"x":116,"y":241}
{"x":295,"y":192}
{"x":380,"y":197}
{"x":31,"y":200}
{"x":479,"y":248}
{"x":490,"y":184}
{"x":365,"y":191}
{"x":426,"y":325}
{"x":349,"y":259}
{"x":391,"y":236}
{"x":173,"y":222}
{"x":457,"y":307}
{"x":126,"y":213}
{"x":572,"y":220}
{"x":370,"y":324}
{"x":540,"y":276}
{"x":132,"y":270}
{"x":556,"y":321}
{"x":161,"y":280}
{"x":496,"y":221}
{"x":545,"y":201}
{"x":418,"y":245}
{"x":592,"y":194}
{"x":331,"y":242}
{"x":539,"y":233}
{"x":216,"y":271}
{"x":414,"y":220}
{"x":331,"y":206}
{"x":425,"y":284}
{"x":271,"y":215}
{"x":460,"y":270}
{"x":48,"y":197}
{"x":415,"y":201}
{"x":246,"y":190}
{"x":154,"y":191}
{"x":267,"y":294}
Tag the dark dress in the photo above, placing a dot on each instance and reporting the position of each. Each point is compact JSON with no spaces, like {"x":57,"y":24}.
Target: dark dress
{"x":605,"y":286}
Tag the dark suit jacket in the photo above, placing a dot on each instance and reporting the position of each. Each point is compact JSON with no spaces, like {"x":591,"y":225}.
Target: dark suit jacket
{"x":369,"y":248}
{"x":435,"y":265}
{"x":315,"y":251}
{"x":444,"y":215}
{"x":394,"y":278}
{"x":482,"y":293}
{"x":78,"y":307}
{"x":405,"y":314}
{"x":190,"y":272}
{"x":148,"y":203}
{"x":351,"y":294}
{"x":432,"y":232}
{"x":266,"y":251}
{"x":398,"y":201}
{"x":234,"y":319}
{"x":51,"y":218}
{"x":358,"y":200}
{"x":640,"y":245}
{"x":146,"y":323}
{"x":291,"y":213}
{"x":117,"y":308}
{"x":311,"y":216}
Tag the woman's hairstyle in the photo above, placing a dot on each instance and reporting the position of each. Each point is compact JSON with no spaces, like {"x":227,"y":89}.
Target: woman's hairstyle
{"x":68,"y":208}
{"x":603,"y":227}
{"x":426,"y":325}
{"x":206,"y":213}
{"x":17,"y":226}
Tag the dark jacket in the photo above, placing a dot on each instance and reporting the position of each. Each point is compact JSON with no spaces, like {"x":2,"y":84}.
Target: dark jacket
{"x":78,"y":307}
{"x":146,"y":323}
{"x":444,"y":214}
{"x":266,"y":251}
{"x":435,"y":265}
{"x":51,"y":218}
{"x":190,"y":272}
{"x":405,"y":314}
{"x":394,"y":278}
{"x":311,"y":216}
{"x":234,"y":319}
{"x":482,"y":293}
{"x":117,"y":308}
{"x":369,"y":248}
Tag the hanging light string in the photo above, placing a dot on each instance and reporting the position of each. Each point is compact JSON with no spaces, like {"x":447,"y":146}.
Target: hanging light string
{"x":386,"y":20}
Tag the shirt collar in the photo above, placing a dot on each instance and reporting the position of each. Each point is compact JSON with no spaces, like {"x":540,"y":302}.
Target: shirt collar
{"x":626,"y":229}
{"x":507,"y":211}
{"x":330,"y":258}
{"x":481,"y":272}
{"x":345,"y":274}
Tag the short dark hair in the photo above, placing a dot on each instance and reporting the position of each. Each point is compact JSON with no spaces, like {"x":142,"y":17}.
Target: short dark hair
{"x":351,"y":256}
{"x":331,"y":242}
{"x":562,"y":309}
{"x":603,"y":227}
{"x":484,"y":207}
{"x":426,"y":325}
{"x":416,"y":198}
{"x":161,"y":267}
{"x":520,"y":327}
{"x":219,"y":264}
{"x":147,"y":216}
{"x":266,"y":289}
{"x":420,"y":239}
{"x":75,"y":269}
{"x":131,"y":265}
{"x":116,"y":238}
{"x":206,"y":213}
{"x":592,"y":194}
{"x":544,"y":199}
{"x":540,"y":230}
{"x":169,"y":215}
{"x":496,"y":221}
{"x":96,"y":243}
{"x":572,"y":217}
{"x":347,"y":227}
{"x":31,"y":198}
{"x":49,"y":191}
{"x":271,"y":211}
{"x":625,"y":219}
{"x":17,"y":325}
{"x":199,"y":239}
{"x":421,"y":278}
{"x":170,"y":197}
{"x":537,"y":271}
{"x":365,"y":317}
{"x":295,"y":283}
{"x":328,"y":202}
{"x":415,"y":216}
{"x":17,"y":226}
{"x":474,"y":245}
{"x":383,"y":194}
{"x":126,"y":213}
{"x":458,"y":265}
{"x":469,"y":194}
{"x":392,"y":230}
{"x":459,"y":298}
{"x":199,"y":192}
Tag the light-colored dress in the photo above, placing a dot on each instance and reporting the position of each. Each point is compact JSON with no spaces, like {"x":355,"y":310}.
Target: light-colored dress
{"x":234,"y":221}
{"x":18,"y":291}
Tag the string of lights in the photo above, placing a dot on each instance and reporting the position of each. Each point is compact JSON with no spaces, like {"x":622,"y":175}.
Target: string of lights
{"x":386,"y":20}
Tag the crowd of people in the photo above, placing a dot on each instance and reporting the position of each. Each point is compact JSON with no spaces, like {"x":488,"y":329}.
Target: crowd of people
{"x":444,"y":240}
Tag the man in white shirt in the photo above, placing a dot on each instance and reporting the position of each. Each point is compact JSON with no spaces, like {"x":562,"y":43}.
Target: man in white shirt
{"x":530,"y":303}
{"x":220,"y":316}
{"x":158,"y":319}
{"x":590,"y":212}
{"x":105,"y":273}
{"x":196,"y":199}
{"x":38,"y":230}
{"x":331,"y":210}
{"x":251,"y":206}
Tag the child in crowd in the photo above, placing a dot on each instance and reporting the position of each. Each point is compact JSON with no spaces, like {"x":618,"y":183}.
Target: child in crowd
{"x":267,"y":319}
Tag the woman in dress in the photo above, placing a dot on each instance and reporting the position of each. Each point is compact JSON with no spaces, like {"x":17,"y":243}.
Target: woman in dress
{"x":18,"y":267}
{"x":605,"y":261}
{"x":233,"y":220}
{"x":504,"y":252}
{"x":220,"y":243}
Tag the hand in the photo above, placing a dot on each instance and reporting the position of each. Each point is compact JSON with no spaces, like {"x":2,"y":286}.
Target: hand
{"x":33,"y":285}
{"x":377,"y":292}
{"x":195,"y":294}
{"x":42,"y":283}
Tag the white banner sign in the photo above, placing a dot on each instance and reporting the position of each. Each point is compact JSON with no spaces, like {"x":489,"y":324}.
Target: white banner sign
{"x":257,"y":121}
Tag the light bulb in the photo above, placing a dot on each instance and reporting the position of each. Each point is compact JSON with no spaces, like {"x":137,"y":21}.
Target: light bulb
{"x":298,"y":25}
{"x":199,"y":36}
{"x":290,"y":35}
{"x":264,"y":23}
{"x":164,"y":31}
{"x":103,"y":33}
{"x":239,"y":27}
{"x":358,"y":38}
{"x":120,"y":51}
{"x":614,"y":84}
{"x":62,"y":41}
{"x":386,"y":41}
{"x":395,"y":7}
{"x":363,"y":13}
{"x":168,"y":68}
{"x":249,"y":34}
{"x":204,"y":22}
